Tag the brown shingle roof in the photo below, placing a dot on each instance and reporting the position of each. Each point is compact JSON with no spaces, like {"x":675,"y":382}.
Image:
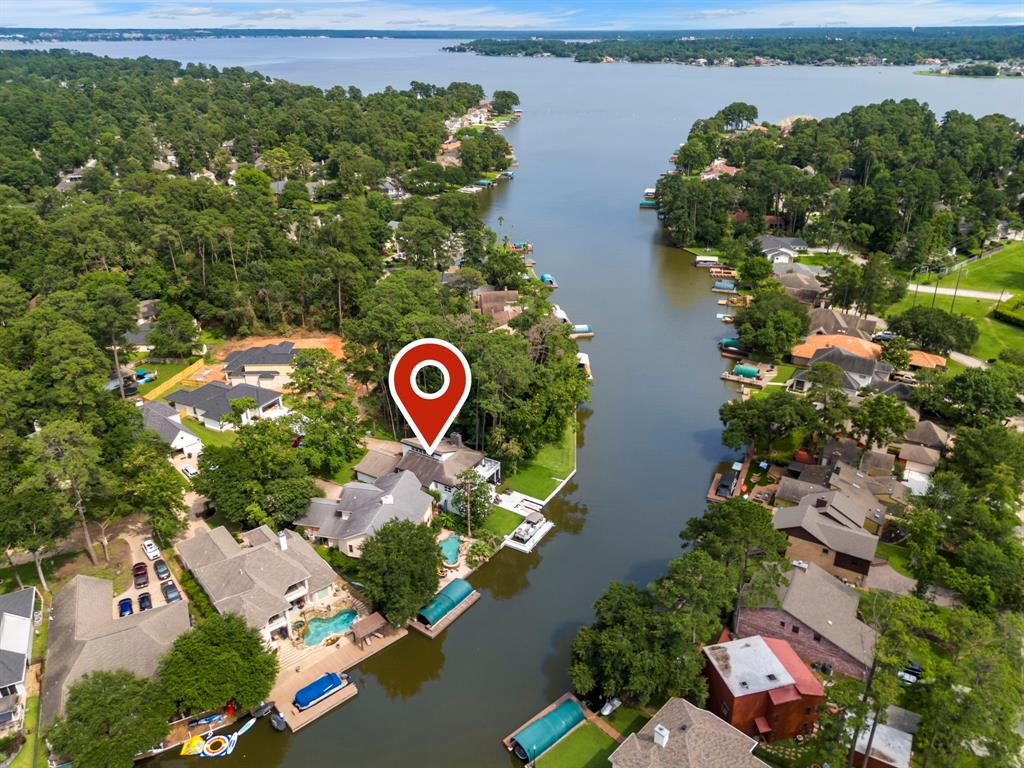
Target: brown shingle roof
{"x":697,"y":739}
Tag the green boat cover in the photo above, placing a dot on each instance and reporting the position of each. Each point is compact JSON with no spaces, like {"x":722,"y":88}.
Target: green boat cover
{"x":444,"y":601}
{"x":539,"y":735}
{"x":731,"y":344}
{"x":745,"y":370}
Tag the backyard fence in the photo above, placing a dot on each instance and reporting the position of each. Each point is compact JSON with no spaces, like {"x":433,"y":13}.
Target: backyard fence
{"x":165,"y":386}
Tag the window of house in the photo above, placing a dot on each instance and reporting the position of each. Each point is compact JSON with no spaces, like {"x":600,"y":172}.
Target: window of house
{"x":817,"y":637}
{"x":8,"y":690}
{"x":824,"y":550}
{"x":796,"y":630}
{"x":808,"y":711}
{"x":782,"y":623}
{"x":351,"y":548}
{"x":725,"y":709}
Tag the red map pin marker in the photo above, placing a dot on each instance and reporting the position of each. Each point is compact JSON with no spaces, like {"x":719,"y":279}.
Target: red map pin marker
{"x":429,"y":413}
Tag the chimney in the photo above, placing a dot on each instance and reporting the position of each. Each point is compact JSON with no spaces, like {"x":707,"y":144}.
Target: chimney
{"x":661,"y":735}
{"x":282,"y":541}
{"x":387,"y":499}
{"x":455,"y":439}
{"x":821,"y":502}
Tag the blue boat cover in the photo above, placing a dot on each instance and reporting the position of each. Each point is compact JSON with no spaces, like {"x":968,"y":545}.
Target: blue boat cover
{"x":445,"y":600}
{"x":315,"y":690}
{"x":539,"y":735}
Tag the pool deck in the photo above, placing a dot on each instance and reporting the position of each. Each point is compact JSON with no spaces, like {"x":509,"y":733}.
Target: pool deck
{"x":448,"y":619}
{"x":303,"y":670}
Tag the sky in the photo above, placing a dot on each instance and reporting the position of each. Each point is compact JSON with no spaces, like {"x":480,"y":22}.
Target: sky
{"x":507,"y":14}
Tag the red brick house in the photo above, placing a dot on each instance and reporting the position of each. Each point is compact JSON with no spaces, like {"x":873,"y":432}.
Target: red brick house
{"x":761,"y":687}
{"x":817,"y":615}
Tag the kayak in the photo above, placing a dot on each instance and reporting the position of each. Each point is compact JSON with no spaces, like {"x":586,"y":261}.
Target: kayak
{"x":248,"y":724}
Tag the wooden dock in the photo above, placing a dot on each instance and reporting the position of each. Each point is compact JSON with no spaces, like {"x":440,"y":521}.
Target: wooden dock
{"x":744,"y":380}
{"x":297,"y":720}
{"x":447,"y":620}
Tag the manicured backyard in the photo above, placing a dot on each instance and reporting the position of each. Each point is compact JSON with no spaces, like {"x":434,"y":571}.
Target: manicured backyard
{"x":627,"y":720}
{"x":586,"y":747}
{"x":898,"y":557}
{"x":28,"y":750}
{"x":164,"y":372}
{"x":502,"y":522}
{"x":207,"y":435}
{"x":553,"y":463}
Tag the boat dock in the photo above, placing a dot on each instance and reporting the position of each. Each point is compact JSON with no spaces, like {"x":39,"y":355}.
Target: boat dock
{"x":507,"y":741}
{"x":449,"y":618}
{"x":285,"y":690}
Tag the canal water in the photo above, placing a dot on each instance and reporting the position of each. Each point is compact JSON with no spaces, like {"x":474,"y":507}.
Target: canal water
{"x":592,"y":138}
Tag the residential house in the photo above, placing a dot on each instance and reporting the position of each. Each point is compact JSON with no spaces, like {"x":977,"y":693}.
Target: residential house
{"x":803,"y":353}
{"x":682,"y":735}
{"x":817,"y":615}
{"x":760,"y":686}
{"x":268,"y":581}
{"x":804,"y":288}
{"x":874,"y":492}
{"x":919,"y":359}
{"x":717,"y":168}
{"x":166,"y":422}
{"x":500,"y":306}
{"x":211,"y":403}
{"x":378,"y":462}
{"x":149,"y":310}
{"x":17,"y":630}
{"x":793,"y":245}
{"x":893,"y":743}
{"x":267,"y":366}
{"x":858,"y":371}
{"x":138,"y":337}
{"x":438,"y":472}
{"x":792,"y":489}
{"x":393,"y":189}
{"x":833,"y":322}
{"x":361,"y":509}
{"x":929,"y":434}
{"x":85,"y":637}
{"x":832,"y":537}
{"x":919,"y":458}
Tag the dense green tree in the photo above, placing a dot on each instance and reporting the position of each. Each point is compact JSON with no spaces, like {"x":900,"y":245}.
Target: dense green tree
{"x":174,"y":333}
{"x":760,"y":420}
{"x":772,"y":324}
{"x":399,"y":569}
{"x":979,"y":396}
{"x":935,"y":330}
{"x":503,"y":101}
{"x":109,"y":718}
{"x":896,"y":352}
{"x":880,"y":420}
{"x":473,"y":495}
{"x":220,"y":659}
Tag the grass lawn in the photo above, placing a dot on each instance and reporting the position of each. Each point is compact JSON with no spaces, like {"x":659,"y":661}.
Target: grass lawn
{"x":697,"y":250}
{"x":1004,"y":270}
{"x":784,"y":372}
{"x":502,"y":522}
{"x":345,"y":474}
{"x":24,"y":757}
{"x":586,"y":747}
{"x":164,"y":372}
{"x":207,"y":435}
{"x":552,"y":464}
{"x":819,"y":259}
{"x":994,"y":335}
{"x":627,"y":720}
{"x":896,"y":555}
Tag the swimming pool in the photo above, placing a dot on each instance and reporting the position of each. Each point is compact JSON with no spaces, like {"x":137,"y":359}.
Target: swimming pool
{"x":319,"y":630}
{"x":450,"y":549}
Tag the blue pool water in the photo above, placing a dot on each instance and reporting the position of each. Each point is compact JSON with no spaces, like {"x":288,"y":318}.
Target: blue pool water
{"x":450,"y":549}
{"x":320,"y":629}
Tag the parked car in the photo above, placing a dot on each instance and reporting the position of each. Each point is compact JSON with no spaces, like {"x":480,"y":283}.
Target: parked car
{"x":140,"y":575}
{"x":151,"y":550}
{"x":124,"y":607}
{"x":610,"y":706}
{"x":145,"y":601}
{"x":190,"y":471}
{"x":163,"y":573}
{"x":883,"y":336}
{"x":171,"y":593}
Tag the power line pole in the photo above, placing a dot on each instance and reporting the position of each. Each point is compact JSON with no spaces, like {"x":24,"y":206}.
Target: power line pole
{"x":956,"y":288}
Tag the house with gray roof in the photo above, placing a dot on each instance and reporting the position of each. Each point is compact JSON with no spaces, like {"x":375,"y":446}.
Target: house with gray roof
{"x":682,"y":735}
{"x":138,"y":337}
{"x":826,"y":322}
{"x":804,"y":288}
{"x":817,"y":615}
{"x":795,"y":244}
{"x":166,"y":422}
{"x":893,"y":743}
{"x":17,"y":612}
{"x":85,"y":637}
{"x":858,"y":372}
{"x":929,"y":434}
{"x":268,"y":581}
{"x":362,"y":508}
{"x":830,"y":535}
{"x":438,"y":472}
{"x":211,"y":403}
{"x":267,"y":366}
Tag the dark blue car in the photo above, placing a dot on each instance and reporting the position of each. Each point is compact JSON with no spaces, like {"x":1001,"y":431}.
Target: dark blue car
{"x":124,"y":607}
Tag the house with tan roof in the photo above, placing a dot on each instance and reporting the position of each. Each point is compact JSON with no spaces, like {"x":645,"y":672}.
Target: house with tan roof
{"x":500,"y":306}
{"x":833,"y":322}
{"x":928,"y":434}
{"x":803,"y":287}
{"x":834,"y":538}
{"x":267,"y":582}
{"x":85,"y":637}
{"x":817,"y":615}
{"x":682,"y":735}
{"x":920,"y":359}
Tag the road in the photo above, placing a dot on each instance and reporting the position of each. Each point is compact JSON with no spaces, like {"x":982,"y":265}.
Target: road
{"x":927,"y":290}
{"x":967,"y":360}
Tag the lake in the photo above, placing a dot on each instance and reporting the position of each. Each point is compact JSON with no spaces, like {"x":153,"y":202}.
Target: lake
{"x":591,"y":139}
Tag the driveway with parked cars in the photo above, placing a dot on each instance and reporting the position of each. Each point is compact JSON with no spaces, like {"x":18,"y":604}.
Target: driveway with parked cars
{"x":152,"y":582}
